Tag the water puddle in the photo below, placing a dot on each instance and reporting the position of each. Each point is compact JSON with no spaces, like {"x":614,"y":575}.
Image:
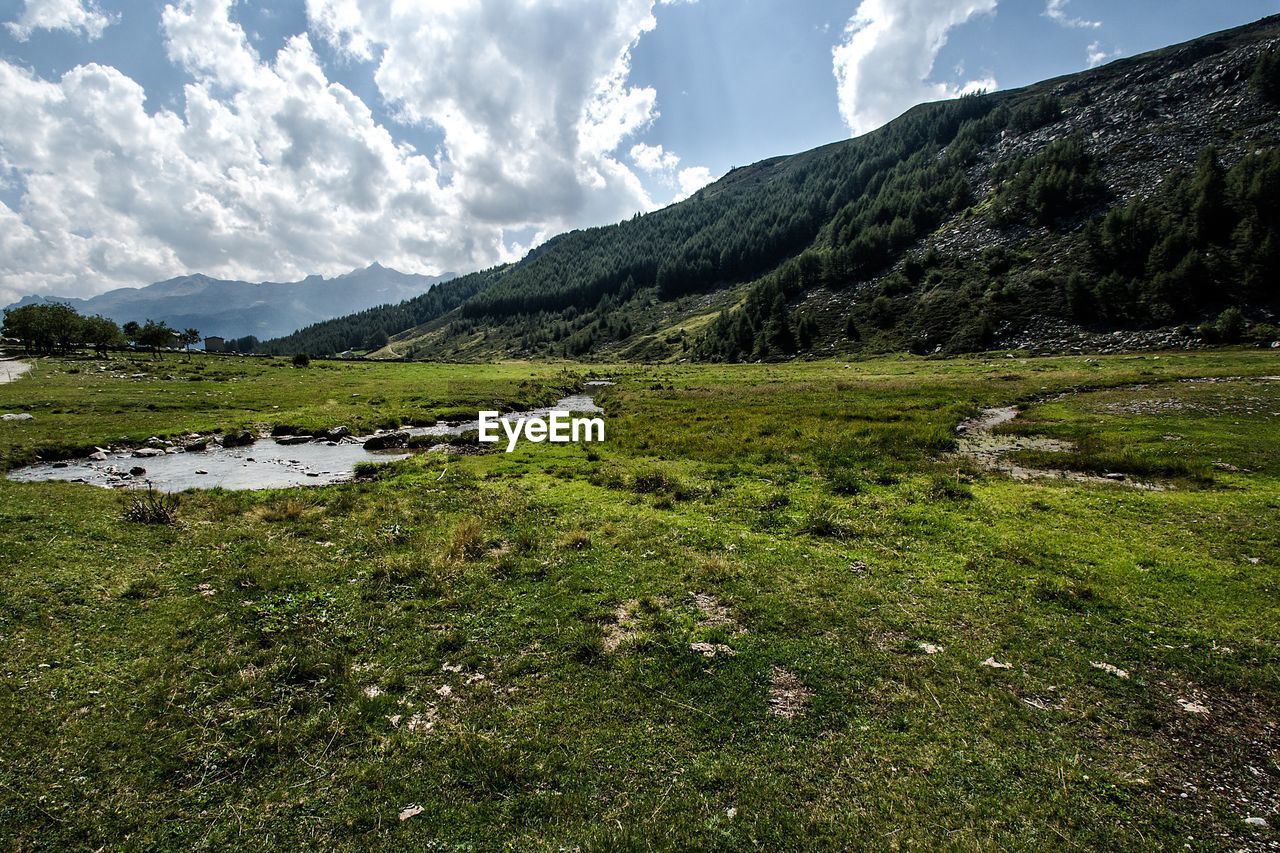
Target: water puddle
{"x":979,"y":443}
{"x":267,"y":463}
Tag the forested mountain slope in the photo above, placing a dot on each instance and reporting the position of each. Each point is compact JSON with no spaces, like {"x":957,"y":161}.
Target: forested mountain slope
{"x":1141,"y":195}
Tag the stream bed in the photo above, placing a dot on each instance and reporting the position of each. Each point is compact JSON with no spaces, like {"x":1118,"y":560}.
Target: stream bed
{"x":267,"y":463}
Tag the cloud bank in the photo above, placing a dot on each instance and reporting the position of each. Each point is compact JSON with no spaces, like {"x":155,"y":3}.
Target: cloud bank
{"x":272,"y":170}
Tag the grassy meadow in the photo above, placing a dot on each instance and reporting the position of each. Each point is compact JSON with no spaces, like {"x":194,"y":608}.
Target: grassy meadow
{"x":771,"y":610}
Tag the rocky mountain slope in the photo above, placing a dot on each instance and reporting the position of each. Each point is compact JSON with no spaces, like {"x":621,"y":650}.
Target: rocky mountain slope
{"x":240,"y":308}
{"x":1128,"y":205}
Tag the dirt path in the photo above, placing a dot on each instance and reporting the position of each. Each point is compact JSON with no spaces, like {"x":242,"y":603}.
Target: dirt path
{"x":11,"y":369}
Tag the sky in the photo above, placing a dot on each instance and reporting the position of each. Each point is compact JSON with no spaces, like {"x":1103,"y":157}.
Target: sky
{"x":146,"y":139}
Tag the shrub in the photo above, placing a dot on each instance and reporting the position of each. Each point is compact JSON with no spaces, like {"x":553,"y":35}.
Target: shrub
{"x":1231,"y":325}
{"x":302,"y":360}
{"x":151,"y":507}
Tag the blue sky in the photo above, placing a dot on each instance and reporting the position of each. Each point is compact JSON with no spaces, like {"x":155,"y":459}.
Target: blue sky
{"x":145,"y":139}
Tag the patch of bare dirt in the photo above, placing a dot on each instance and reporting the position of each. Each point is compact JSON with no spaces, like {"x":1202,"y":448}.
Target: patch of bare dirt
{"x":11,"y":369}
{"x":622,"y":627}
{"x":788,"y":696}
{"x":715,"y":613}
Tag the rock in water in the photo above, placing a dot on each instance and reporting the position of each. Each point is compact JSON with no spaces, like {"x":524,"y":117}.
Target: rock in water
{"x":238,"y":439}
{"x":387,"y":441}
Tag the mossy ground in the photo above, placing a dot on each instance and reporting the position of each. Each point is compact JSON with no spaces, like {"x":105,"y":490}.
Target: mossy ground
{"x":296,"y":667}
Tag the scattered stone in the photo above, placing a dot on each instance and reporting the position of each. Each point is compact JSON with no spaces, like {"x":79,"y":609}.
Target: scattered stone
{"x":995,"y":664}
{"x":338,"y":433}
{"x":371,"y":691}
{"x":420,"y":723}
{"x":294,"y":439}
{"x":1108,"y":668}
{"x":59,"y":465}
{"x":410,"y":811}
{"x":788,"y":697}
{"x":98,"y":456}
{"x":199,"y":471}
{"x":205,"y":589}
{"x":1259,"y":822}
{"x":21,"y":416}
{"x":1226,"y":466}
{"x":1191,"y":707}
{"x":394,"y":720}
{"x":931,"y":649}
{"x":137,"y":471}
{"x":711,"y":650}
{"x":1119,"y":478}
{"x":198,"y":446}
{"x":148,"y":452}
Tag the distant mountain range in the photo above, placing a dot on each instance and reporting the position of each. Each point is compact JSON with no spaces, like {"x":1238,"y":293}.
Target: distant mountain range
{"x":233,"y":309}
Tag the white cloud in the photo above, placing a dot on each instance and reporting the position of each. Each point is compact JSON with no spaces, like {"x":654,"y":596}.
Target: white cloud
{"x":70,"y":15}
{"x":665,"y":166}
{"x":269,"y":170}
{"x":1056,"y":11}
{"x":1097,"y":54}
{"x":693,"y":179}
{"x":532,"y":98}
{"x":654,"y":159}
{"x":883,"y":65}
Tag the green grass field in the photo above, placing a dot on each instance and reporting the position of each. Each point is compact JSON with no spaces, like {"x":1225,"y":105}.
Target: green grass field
{"x":763,"y":613}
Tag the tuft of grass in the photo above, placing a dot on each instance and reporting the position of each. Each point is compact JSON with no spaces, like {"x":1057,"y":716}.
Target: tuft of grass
{"x":286,"y":509}
{"x":824,"y":519}
{"x":947,"y":487}
{"x":137,"y":589}
{"x":151,"y":507}
{"x":574,"y":540}
{"x":467,"y":540}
